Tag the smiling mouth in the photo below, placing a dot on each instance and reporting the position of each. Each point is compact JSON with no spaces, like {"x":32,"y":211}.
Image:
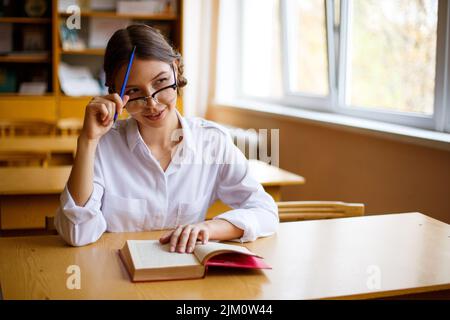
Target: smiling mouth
{"x":155,"y":115}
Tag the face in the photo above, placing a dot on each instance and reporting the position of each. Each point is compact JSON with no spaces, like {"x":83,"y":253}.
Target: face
{"x":147,"y":77}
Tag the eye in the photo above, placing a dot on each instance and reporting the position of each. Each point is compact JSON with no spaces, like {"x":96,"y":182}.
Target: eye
{"x":131,"y":91}
{"x":162,"y":80}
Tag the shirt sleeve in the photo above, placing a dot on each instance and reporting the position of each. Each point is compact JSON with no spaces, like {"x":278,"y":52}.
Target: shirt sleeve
{"x":77,"y":225}
{"x":254,"y":210}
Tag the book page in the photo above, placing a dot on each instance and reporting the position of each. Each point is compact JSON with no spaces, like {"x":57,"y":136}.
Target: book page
{"x":202,"y":250}
{"x":148,"y":254}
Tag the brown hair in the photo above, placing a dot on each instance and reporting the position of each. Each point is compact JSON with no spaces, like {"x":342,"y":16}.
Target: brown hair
{"x":150,"y":44}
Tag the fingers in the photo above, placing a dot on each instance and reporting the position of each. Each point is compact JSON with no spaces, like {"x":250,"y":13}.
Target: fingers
{"x":122,"y":105}
{"x":111,"y":111}
{"x":184,"y":238}
{"x":165,"y":238}
{"x":119,"y":103}
{"x":125,"y":100}
{"x":108,"y":110}
{"x":100,"y":111}
{"x":113,"y":103}
{"x":174,"y":238}
{"x":192,"y":239}
{"x":204,"y":236}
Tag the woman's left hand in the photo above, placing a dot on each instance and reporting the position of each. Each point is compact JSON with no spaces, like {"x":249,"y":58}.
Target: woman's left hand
{"x":184,"y":238}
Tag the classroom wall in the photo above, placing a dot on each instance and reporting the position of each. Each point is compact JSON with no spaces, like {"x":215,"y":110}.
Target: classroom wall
{"x":387,"y":176}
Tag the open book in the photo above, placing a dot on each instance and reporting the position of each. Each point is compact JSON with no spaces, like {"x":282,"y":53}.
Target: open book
{"x":148,"y":260}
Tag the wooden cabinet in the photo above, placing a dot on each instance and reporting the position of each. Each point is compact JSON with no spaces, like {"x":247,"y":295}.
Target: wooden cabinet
{"x":16,"y":107}
{"x":55,"y":104}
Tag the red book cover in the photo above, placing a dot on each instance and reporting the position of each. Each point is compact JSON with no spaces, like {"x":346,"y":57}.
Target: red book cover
{"x":233,"y":260}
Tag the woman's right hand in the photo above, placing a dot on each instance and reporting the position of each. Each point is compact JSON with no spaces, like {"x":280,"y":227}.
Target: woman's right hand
{"x":99,"y":115}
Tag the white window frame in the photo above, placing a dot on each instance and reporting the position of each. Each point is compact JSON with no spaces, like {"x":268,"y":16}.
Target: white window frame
{"x":303,"y":99}
{"x":442,"y":95}
{"x":292,"y":98}
{"x":335,"y":102}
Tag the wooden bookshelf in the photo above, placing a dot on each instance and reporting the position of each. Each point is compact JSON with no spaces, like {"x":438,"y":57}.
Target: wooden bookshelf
{"x":87,"y":51}
{"x":114,"y":15}
{"x":25,"y":20}
{"x":25,"y":58}
{"x":54,"y":104}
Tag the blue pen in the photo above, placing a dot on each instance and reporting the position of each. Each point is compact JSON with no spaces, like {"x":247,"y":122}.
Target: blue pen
{"x":125,"y":80}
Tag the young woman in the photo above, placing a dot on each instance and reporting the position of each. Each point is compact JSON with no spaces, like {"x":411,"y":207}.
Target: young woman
{"x":157,"y":170}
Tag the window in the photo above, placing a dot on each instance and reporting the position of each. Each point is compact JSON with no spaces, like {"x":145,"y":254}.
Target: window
{"x":386,"y":60}
{"x":391,"y":55}
{"x":260,"y":43}
{"x":307,"y":47}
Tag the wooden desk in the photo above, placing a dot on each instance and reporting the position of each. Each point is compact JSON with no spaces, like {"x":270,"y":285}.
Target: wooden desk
{"x":48,"y":144}
{"x":28,"y":195}
{"x":310,"y":260}
{"x":33,"y":180}
{"x":52,"y":180}
{"x":57,"y":151}
{"x":271,"y":178}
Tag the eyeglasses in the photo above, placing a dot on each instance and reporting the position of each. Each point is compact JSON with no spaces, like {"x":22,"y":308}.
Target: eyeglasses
{"x":162,"y":95}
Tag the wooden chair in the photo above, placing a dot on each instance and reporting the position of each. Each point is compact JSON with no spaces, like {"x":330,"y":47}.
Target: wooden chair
{"x":28,"y":158}
{"x":315,"y":210}
{"x":69,"y":126}
{"x":11,"y":128}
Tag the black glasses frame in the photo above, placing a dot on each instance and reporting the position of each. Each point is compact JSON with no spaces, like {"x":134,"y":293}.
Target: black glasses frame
{"x":153,"y":95}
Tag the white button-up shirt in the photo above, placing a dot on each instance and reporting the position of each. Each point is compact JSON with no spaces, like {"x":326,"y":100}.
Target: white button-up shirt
{"x":132,"y":192}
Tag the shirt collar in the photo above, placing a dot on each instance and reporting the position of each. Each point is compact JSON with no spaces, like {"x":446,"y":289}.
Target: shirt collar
{"x":134,"y":137}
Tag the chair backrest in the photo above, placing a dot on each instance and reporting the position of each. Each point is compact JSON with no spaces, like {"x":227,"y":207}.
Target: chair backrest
{"x":314,"y":210}
{"x":11,"y":128}
{"x":28,"y":158}
{"x":69,"y":126}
